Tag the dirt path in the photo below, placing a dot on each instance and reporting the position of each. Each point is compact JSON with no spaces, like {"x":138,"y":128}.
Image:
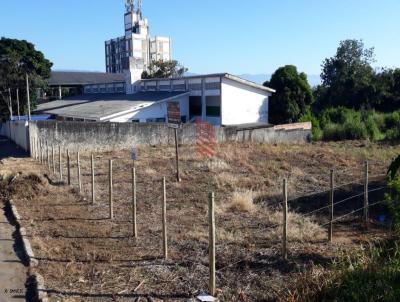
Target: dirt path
{"x":9,"y":149}
{"x":12,"y":270}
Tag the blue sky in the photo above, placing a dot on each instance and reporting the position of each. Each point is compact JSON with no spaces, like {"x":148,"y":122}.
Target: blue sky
{"x":236,"y":36}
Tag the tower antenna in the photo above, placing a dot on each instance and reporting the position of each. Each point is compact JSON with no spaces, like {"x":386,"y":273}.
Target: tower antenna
{"x":130,"y":5}
{"x":139,"y":8}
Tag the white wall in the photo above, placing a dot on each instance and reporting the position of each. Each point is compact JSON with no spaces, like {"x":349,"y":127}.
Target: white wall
{"x":17,"y":131}
{"x":242,"y":104}
{"x":154,"y":111}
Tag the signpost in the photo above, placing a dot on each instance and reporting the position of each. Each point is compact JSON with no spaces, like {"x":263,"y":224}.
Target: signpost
{"x":174,"y":121}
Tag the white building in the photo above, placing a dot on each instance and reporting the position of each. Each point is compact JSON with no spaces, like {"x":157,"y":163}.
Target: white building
{"x":219,"y":99}
{"x":133,"y":53}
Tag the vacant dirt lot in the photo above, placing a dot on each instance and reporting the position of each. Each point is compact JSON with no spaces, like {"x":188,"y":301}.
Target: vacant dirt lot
{"x":84,"y":256}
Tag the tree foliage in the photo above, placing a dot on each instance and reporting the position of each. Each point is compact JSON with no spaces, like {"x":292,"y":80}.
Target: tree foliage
{"x":387,"y":90}
{"x":394,"y":168}
{"x":293,"y":95}
{"x":18,"y":58}
{"x":348,"y":77}
{"x":164,"y":69}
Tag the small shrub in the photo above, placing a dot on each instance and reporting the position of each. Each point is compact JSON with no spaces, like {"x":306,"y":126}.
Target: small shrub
{"x":316,"y":128}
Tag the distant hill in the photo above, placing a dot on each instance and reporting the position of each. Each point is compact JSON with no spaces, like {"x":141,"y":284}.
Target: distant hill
{"x":313,"y":79}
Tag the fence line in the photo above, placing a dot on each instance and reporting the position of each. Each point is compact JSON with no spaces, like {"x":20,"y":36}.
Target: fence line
{"x":44,"y":150}
{"x":353,"y":212}
{"x":343,"y":200}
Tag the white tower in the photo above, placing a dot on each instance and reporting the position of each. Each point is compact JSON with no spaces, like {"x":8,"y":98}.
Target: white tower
{"x":137,"y":37}
{"x":132,"y":53}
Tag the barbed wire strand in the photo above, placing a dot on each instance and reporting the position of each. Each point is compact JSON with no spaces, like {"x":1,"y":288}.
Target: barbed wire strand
{"x":343,"y":200}
{"x":353,"y":212}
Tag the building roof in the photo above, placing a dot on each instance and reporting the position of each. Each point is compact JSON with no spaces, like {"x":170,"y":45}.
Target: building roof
{"x":223,"y":75}
{"x":77,"y":78}
{"x":100,"y":106}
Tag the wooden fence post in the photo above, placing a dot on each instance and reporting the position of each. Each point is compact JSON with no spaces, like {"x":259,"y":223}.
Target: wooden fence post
{"x":33,"y":148}
{"x":44,"y":152}
{"x":60,"y":162}
{"x":110,"y":178}
{"x":41,"y":151}
{"x":78,"y":162}
{"x":285,"y":222}
{"x":53,"y":159}
{"x":48,"y":155}
{"x":366,"y":202}
{"x":164,"y":219}
{"x":134,"y":223}
{"x":331,"y":206}
{"x":92,"y":167}
{"x":211,"y":242}
{"x":68,"y":168}
{"x":37,"y":150}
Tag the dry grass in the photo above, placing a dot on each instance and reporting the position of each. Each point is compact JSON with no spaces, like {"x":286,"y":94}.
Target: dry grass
{"x":240,"y":201}
{"x":87,"y":253}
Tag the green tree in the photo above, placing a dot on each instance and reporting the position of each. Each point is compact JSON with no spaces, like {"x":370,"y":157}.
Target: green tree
{"x":387,"y":88}
{"x":293,"y":95}
{"x":18,"y":58}
{"x":164,"y":69}
{"x":347,"y":77}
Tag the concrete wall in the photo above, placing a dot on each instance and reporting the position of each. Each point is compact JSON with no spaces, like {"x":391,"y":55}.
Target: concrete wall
{"x":242,"y":104}
{"x":109,"y":136}
{"x":18,"y":132}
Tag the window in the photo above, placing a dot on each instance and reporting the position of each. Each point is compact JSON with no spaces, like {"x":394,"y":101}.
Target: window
{"x":155,"y":120}
{"x":195,"y":106}
{"x":213,"y":86}
{"x":136,"y":121}
{"x":213,"y":111}
{"x":179,"y":87}
{"x":195,"y":86}
{"x":213,"y":107}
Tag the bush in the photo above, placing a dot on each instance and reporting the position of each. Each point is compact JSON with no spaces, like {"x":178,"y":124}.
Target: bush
{"x":394,"y":203}
{"x":348,"y":131}
{"x":316,"y":128}
{"x":334,"y":124}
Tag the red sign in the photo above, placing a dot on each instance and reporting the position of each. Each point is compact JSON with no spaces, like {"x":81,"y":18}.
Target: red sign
{"x":205,"y":139}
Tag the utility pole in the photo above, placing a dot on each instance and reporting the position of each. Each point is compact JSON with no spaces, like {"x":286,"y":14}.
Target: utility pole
{"x":10,"y":106}
{"x":19,"y":116}
{"x":28,"y":97}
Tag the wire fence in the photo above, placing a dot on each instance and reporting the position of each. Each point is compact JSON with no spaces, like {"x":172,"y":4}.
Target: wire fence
{"x":48,"y":157}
